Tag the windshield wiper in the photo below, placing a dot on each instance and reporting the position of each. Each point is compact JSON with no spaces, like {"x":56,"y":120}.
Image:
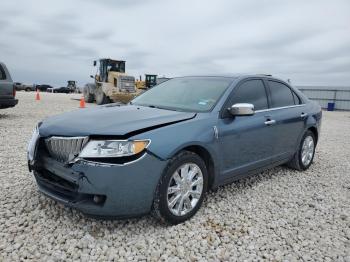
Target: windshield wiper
{"x":164,"y":108}
{"x":154,"y":106}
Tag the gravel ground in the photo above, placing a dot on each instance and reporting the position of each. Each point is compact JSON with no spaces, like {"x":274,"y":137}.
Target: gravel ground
{"x":278,"y":215}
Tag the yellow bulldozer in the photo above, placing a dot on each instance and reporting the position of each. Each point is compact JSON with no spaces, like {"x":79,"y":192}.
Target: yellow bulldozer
{"x":149,"y":82}
{"x":111,"y":84}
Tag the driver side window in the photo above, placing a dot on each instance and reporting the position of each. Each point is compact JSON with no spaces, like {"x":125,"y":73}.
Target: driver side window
{"x":252,"y":92}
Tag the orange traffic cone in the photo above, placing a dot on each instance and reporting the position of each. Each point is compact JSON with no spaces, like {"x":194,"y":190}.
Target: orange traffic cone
{"x":82,"y":102}
{"x":37,"y":97}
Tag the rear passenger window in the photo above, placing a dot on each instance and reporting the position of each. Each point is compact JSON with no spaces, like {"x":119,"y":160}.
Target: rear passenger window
{"x":253,"y":92}
{"x":296,"y":98}
{"x":281,"y":95}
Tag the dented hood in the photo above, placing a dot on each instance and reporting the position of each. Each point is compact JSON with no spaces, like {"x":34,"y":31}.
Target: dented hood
{"x":110,"y":120}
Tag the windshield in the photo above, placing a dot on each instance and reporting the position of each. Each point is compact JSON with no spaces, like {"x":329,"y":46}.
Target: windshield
{"x":194,"y":94}
{"x":116,"y":67}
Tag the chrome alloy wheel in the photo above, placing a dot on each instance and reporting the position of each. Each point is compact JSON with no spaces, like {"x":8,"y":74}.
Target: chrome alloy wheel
{"x":307,"y":150}
{"x":185,"y":189}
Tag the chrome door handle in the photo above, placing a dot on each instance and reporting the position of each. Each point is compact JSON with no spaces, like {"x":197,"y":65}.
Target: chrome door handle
{"x":303,"y":115}
{"x":270,"y":122}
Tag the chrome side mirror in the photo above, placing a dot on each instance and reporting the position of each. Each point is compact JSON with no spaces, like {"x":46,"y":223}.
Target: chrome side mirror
{"x":241,"y":109}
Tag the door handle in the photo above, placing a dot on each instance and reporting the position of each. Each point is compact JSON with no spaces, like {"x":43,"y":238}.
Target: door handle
{"x":303,"y":115}
{"x":270,"y":122}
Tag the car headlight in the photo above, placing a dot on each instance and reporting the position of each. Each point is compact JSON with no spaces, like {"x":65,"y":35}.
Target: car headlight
{"x":113,"y":148}
{"x":32,"y":143}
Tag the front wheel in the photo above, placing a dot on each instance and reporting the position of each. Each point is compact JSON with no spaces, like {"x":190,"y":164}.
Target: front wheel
{"x":303,"y":158}
{"x":181,"y":189}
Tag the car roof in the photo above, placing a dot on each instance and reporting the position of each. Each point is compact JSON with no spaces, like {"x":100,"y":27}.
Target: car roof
{"x":239,"y":76}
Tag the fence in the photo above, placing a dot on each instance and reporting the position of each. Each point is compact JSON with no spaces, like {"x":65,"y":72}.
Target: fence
{"x":340,"y":97}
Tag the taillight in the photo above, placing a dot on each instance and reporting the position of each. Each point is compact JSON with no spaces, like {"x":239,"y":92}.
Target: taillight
{"x":14,"y":91}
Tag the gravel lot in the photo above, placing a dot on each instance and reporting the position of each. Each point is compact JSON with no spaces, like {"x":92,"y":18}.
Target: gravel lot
{"x":278,"y":215}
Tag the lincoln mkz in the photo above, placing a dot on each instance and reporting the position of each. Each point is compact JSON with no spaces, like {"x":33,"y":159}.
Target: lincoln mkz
{"x":164,"y":150}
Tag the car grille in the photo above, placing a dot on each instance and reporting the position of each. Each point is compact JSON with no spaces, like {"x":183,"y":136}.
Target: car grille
{"x":65,"y":149}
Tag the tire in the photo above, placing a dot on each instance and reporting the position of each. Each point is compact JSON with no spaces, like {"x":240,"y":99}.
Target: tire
{"x":160,"y":209}
{"x":28,"y":89}
{"x":88,"y":97}
{"x":297,"y":162}
{"x":101,"y":97}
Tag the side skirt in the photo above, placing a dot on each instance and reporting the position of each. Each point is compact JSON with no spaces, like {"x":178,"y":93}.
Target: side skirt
{"x":249,"y":173}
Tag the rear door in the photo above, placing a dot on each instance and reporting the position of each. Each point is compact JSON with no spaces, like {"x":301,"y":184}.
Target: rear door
{"x":6,"y":84}
{"x":288,"y":117}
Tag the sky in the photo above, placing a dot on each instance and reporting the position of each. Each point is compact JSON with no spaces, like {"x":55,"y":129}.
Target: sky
{"x":51,"y":42}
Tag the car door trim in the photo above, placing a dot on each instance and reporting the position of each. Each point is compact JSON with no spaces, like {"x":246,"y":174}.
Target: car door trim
{"x":278,"y":108}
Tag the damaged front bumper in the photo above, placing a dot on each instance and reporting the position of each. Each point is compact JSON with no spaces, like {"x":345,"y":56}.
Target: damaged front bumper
{"x":103,"y":190}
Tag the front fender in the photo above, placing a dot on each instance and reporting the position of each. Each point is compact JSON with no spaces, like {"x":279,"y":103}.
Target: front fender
{"x":168,"y":140}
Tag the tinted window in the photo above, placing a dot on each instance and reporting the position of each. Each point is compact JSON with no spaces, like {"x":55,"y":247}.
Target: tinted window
{"x":253,"y":92}
{"x":296,"y":98}
{"x":2,"y":73}
{"x":281,"y":95}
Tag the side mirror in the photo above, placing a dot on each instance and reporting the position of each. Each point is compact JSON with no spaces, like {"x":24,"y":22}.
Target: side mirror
{"x":241,"y":109}
{"x":91,"y":76}
{"x":95,"y":63}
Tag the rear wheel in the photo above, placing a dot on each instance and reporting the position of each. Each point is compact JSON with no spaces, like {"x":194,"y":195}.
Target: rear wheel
{"x":88,"y":96}
{"x":181,"y":189}
{"x":303,"y":158}
{"x":101,"y":97}
{"x":28,"y":89}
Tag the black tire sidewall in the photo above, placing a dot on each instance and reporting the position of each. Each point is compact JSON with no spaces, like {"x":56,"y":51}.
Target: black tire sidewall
{"x":87,"y":95}
{"x":307,"y":133}
{"x":100,"y":97}
{"x":163,"y":187}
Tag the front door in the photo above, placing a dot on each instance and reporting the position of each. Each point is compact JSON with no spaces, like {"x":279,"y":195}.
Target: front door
{"x":245,"y":143}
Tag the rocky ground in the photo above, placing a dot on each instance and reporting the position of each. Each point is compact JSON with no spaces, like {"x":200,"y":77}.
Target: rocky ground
{"x":278,"y":215}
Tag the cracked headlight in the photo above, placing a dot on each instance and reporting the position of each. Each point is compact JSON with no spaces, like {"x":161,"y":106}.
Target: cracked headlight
{"x":113,"y":148}
{"x":32,"y":144}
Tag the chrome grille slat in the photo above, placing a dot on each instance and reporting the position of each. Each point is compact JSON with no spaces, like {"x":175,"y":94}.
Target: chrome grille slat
{"x":65,"y":149}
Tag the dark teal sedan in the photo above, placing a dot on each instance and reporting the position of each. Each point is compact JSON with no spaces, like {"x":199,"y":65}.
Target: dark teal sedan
{"x":163,"y":151}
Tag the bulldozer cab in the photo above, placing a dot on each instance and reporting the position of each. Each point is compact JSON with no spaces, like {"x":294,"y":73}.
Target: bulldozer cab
{"x":109,"y":65}
{"x":150,"y":80}
{"x":71,"y":83}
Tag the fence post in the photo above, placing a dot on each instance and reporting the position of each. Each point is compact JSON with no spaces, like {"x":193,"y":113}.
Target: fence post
{"x":335,"y":98}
